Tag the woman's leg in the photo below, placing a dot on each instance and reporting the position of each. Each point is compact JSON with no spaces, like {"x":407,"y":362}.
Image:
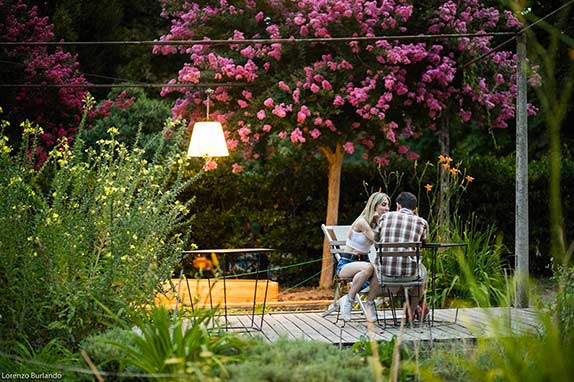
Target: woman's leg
{"x":360,"y":271}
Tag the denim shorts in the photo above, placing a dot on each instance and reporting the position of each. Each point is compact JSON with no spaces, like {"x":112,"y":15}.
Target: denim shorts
{"x":344,"y":261}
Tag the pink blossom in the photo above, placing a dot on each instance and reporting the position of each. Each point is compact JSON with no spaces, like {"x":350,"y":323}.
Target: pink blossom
{"x":283,"y":86}
{"x":261,"y":114}
{"x":465,"y":115}
{"x":267,"y":128}
{"x":236,"y":168}
{"x":248,"y":52}
{"x":268,"y":102}
{"x":279,"y":110}
{"x":318,"y":121}
{"x":403,"y":149}
{"x":349,"y":148}
{"x":244,"y":134}
{"x":298,"y":20}
{"x":242,"y":104}
{"x":232,"y":144}
{"x":412,"y":156}
{"x":315,"y":133}
{"x":247,"y":94}
{"x":338,"y":101}
{"x":330,"y":125}
{"x":210,"y":165}
{"x":189,"y":74}
{"x":381,"y":161}
{"x":314,"y":88}
{"x":297,"y":136}
{"x":296,"y":94}
{"x":282,"y":134}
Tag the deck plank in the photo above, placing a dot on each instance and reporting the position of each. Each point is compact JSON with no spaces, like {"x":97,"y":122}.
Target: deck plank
{"x":470,"y":324}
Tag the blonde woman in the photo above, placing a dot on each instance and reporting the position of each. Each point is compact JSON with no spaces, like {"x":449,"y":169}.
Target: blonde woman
{"x":354,"y":262}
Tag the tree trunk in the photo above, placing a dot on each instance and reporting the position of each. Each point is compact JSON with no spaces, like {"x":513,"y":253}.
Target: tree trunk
{"x":444,"y":202}
{"x":335,"y":159}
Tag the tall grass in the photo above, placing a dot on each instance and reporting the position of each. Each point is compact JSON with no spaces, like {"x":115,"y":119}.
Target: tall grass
{"x":478,"y":264}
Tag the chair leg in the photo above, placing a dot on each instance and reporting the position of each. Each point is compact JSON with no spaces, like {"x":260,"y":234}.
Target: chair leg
{"x":393,"y":308}
{"x":335,"y":305}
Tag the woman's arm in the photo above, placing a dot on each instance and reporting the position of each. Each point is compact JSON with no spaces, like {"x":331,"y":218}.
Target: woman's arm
{"x":362,"y":226}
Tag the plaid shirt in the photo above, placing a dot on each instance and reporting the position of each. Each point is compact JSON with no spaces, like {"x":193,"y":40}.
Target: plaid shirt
{"x":401,"y":226}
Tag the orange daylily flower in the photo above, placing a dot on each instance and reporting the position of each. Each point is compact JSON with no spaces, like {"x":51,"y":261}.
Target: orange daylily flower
{"x":202,"y":263}
{"x":428,"y":187}
{"x":444,"y":159}
{"x":469,"y":178}
{"x":446,"y":166}
{"x":453,"y":171}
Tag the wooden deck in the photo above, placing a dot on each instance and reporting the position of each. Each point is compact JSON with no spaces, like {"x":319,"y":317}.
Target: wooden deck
{"x":467,"y":324}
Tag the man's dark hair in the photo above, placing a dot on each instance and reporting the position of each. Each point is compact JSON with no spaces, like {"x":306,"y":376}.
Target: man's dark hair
{"x":407,"y":200}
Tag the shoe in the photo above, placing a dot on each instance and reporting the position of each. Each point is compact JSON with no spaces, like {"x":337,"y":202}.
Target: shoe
{"x":421,"y":313}
{"x":371,"y":311}
{"x":345,"y":308}
{"x":406,"y":315}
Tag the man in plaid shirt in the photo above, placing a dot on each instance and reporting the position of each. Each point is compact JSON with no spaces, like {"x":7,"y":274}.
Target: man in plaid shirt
{"x":403,"y":225}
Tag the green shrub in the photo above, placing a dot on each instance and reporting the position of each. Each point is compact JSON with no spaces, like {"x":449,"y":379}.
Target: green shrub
{"x":142,"y":120}
{"x":544,"y":355}
{"x":161,"y":346}
{"x":564,"y":306}
{"x":52,"y":359}
{"x":299,"y":360}
{"x":105,"y":356}
{"x":90,"y":229}
{"x":478,"y":265}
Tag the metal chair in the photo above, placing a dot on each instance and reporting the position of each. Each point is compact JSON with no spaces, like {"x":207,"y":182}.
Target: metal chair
{"x":336,"y":237}
{"x":397,"y":249}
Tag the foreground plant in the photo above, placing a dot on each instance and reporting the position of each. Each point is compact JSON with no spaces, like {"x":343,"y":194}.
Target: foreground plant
{"x":172,"y":349}
{"x":94,"y":224}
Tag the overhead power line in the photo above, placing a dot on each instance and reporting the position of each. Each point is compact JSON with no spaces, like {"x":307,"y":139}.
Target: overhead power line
{"x":257,"y":41}
{"x":126,"y":85}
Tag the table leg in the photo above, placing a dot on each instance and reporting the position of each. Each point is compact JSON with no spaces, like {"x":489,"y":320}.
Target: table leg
{"x":189,"y":294}
{"x":225,"y":293}
{"x":264,"y":300}
{"x":433,"y":272}
{"x":178,"y":296}
{"x":255,"y":290}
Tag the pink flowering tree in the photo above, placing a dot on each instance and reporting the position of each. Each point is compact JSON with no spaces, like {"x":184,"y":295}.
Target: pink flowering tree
{"x":57,"y":110}
{"x":369,"y":97}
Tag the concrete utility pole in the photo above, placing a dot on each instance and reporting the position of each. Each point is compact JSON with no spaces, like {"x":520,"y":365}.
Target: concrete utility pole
{"x":521,"y":213}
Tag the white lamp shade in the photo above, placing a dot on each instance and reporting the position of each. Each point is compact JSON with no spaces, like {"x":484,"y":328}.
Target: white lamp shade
{"x":207,"y":139}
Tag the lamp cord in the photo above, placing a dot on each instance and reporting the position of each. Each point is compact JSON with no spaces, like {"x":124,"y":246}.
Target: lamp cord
{"x":208,"y":92}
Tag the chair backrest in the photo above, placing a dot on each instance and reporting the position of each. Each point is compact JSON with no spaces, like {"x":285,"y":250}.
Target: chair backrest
{"x":341,"y":233}
{"x":337,"y":237}
{"x":398,"y":249}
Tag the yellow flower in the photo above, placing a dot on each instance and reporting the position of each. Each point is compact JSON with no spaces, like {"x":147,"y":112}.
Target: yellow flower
{"x":215,"y":260}
{"x":446,"y":166}
{"x":453,"y":171}
{"x":428,"y":187}
{"x":469,"y":179}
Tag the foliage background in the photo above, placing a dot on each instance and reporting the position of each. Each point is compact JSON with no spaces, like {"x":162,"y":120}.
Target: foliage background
{"x":278,"y":202}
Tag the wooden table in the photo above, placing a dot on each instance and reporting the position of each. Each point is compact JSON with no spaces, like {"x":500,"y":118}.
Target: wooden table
{"x":225,"y":252}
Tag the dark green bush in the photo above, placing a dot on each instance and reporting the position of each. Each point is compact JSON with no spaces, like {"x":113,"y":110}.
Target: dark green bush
{"x":288,"y":360}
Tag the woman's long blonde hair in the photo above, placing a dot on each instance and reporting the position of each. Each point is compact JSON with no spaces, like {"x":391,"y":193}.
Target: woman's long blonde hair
{"x":371,"y":207}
